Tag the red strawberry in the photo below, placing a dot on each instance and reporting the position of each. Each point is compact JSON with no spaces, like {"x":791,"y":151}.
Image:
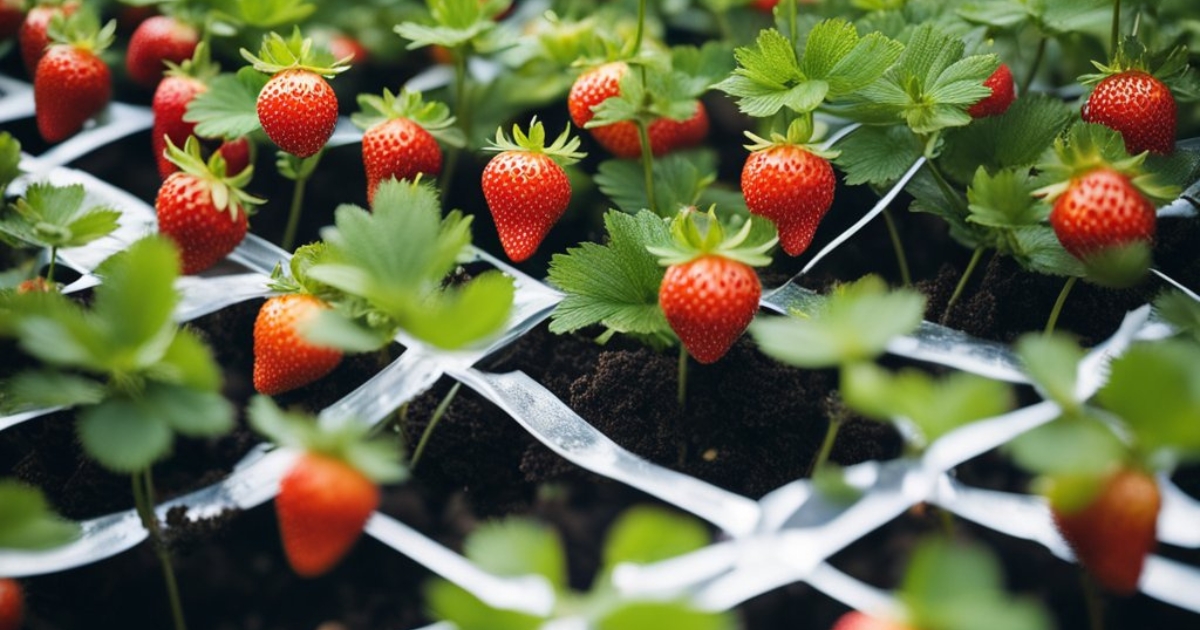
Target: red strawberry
{"x":709,"y":301}
{"x":36,"y":285}
{"x":1099,"y":210}
{"x":526,"y":189}
{"x":1139,"y":106}
{"x":157,"y":40}
{"x":238,"y":154}
{"x":791,"y":186}
{"x":1003,"y":92}
{"x":322,"y":506}
{"x":766,"y":6}
{"x":32,"y":35}
{"x":71,"y":83}
{"x":346,"y":47}
{"x":12,"y":604}
{"x":592,"y":88}
{"x":170,"y":103}
{"x":283,"y":358}
{"x":855,"y":620}
{"x":12,"y":14}
{"x":201,"y":208}
{"x":1112,"y":535}
{"x":298,"y":111}
{"x":397,"y":141}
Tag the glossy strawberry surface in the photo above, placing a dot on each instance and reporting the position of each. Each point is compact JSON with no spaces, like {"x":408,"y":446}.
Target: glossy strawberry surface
{"x":187,"y":215}
{"x":298,"y":110}
{"x":156,"y":40}
{"x":1099,"y":210}
{"x":1004,"y":91}
{"x":398,"y":148}
{"x":709,"y":302}
{"x":322,"y":506}
{"x":70,"y":86}
{"x":170,"y":102}
{"x":526,"y":194}
{"x":283,"y":359}
{"x":1139,"y":106}
{"x":793,"y":188}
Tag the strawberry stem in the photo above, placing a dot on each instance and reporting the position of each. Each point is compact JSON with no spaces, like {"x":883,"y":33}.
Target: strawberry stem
{"x":898,"y":247}
{"x":433,"y":422}
{"x":293,"y":222}
{"x":962,"y":284}
{"x":1058,"y":305}
{"x":681,"y":391}
{"x":462,"y":113}
{"x":1091,"y":599}
{"x":143,"y":500}
{"x":1116,"y":27}
{"x":50,"y":267}
{"x":641,"y":29}
{"x":831,"y":432}
{"x":1033,"y":68}
{"x":647,"y":164}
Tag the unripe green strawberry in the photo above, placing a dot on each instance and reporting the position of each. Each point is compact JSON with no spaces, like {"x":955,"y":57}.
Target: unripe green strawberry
{"x":283,"y":359}
{"x":791,"y":186}
{"x":157,"y":40}
{"x":1113,"y":534}
{"x":1100,"y":210}
{"x":298,"y":111}
{"x":12,"y":604}
{"x":322,"y":506}
{"x":709,"y":302}
{"x":33,"y":38}
{"x":71,"y":84}
{"x":1003,"y":93}
{"x":200,"y":208}
{"x":1139,"y":106}
{"x":526,"y":188}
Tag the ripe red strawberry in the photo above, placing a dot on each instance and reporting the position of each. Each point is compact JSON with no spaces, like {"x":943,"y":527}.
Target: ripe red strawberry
{"x":709,"y":302}
{"x":71,"y":83}
{"x":1112,"y":535}
{"x":322,"y":506}
{"x":855,"y":620}
{"x":12,"y":604}
{"x":298,"y":110}
{"x":238,"y":154}
{"x":32,"y":36}
{"x":1099,"y":210}
{"x":791,"y":186}
{"x":283,"y":358}
{"x":526,"y":188}
{"x":1139,"y":106}
{"x":170,"y":103}
{"x":1003,"y":93}
{"x":203,"y":210}
{"x":398,"y":141}
{"x":766,"y":6}
{"x":157,"y":40}
{"x":592,"y":88}
{"x":343,"y":46}
{"x":12,"y":14}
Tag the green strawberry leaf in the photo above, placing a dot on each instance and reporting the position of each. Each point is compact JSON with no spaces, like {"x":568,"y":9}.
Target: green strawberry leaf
{"x":1155,"y":389}
{"x":449,"y":602}
{"x":1179,"y":310}
{"x":680,"y":179}
{"x":133,"y":305}
{"x":1037,"y":249}
{"x":1072,"y":17}
{"x":645,"y":535}
{"x":120,"y":435}
{"x":455,"y":23}
{"x":188,"y":362}
{"x":458,"y":317}
{"x":514,"y":547}
{"x":853,"y":323}
{"x":1005,"y":200}
{"x":47,"y":388}
{"x":614,"y":285}
{"x":877,"y":155}
{"x":934,"y":406}
{"x":27,"y":522}
{"x":835,"y":53}
{"x":1002,"y":14}
{"x":265,"y":14}
{"x":1079,"y":446}
{"x":55,"y":216}
{"x":1053,"y":363}
{"x":229,"y":107}
{"x":950,"y":586}
{"x":1018,"y":137}
{"x":10,"y":161}
{"x":647,"y":615}
{"x":55,"y":331}
{"x":189,"y":412}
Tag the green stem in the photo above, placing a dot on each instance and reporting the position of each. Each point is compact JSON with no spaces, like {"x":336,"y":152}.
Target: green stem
{"x":462,"y":114}
{"x":433,"y":422}
{"x":143,"y":499}
{"x":947,"y":521}
{"x":947,"y":190}
{"x":289,"y":233}
{"x":722,"y":22}
{"x":898,"y":247}
{"x":831,"y":431}
{"x":681,"y":392}
{"x":1116,"y":26}
{"x":962,"y":283}
{"x":50,"y":268}
{"x":641,"y":29}
{"x":1033,"y":69}
{"x":1091,"y":599}
{"x":792,"y":10}
{"x":1058,"y":305}
{"x":647,"y":164}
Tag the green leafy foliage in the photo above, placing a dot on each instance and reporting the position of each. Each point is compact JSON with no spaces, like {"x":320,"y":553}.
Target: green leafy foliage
{"x":263,"y":13}
{"x":934,"y":406}
{"x":878,"y":155}
{"x":139,"y":378}
{"x":950,"y":586}
{"x":648,"y":91}
{"x":391,"y":263}
{"x":27,"y":522}
{"x":515,"y":547}
{"x":616,"y":284}
{"x":681,"y":179}
{"x":1181,"y":311}
{"x":836,"y":62}
{"x":1155,"y":389}
{"x":55,"y":216}
{"x":1018,"y":137}
{"x":644,"y":535}
{"x":1052,"y":362}
{"x":930,"y":86}
{"x":1079,"y":447}
{"x":10,"y":161}
{"x":853,"y":323}
{"x":229,"y":107}
{"x":455,"y":23}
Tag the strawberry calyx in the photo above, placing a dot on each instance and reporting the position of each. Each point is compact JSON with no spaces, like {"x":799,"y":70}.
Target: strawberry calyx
{"x":696,"y":234}
{"x":297,"y":279}
{"x":433,"y":116}
{"x":342,"y":438}
{"x":200,"y":67}
{"x":295,"y":53}
{"x":1168,"y":66}
{"x":800,"y":133}
{"x":1091,"y":146}
{"x":82,"y":30}
{"x":564,"y":150}
{"x":228,"y":191}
